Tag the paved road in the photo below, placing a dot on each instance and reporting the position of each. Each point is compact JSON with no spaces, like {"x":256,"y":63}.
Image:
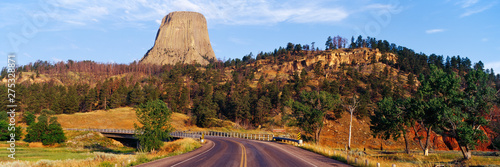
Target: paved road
{"x":233,"y":152}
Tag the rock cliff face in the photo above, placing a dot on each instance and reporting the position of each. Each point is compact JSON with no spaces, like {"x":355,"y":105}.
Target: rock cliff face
{"x":182,"y":37}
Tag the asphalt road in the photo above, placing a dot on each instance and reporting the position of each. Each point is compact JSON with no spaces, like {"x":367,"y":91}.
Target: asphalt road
{"x":233,"y":152}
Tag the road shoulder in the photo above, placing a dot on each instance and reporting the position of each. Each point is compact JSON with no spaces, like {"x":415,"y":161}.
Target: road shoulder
{"x":173,"y":160}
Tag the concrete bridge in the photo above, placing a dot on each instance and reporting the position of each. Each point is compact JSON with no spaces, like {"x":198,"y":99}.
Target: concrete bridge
{"x":126,"y":136}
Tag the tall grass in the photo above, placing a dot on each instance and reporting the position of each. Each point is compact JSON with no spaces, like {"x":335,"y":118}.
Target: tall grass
{"x":358,"y":157}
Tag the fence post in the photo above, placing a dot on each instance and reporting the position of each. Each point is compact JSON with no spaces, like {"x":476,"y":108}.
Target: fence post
{"x":378,"y":164}
{"x":393,"y":165}
{"x":366,"y":162}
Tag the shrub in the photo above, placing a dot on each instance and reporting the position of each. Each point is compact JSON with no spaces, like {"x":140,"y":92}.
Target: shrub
{"x":47,"y":132}
{"x":48,"y":112}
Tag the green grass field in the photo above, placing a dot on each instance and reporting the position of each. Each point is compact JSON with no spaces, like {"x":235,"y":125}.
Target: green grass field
{"x":34,"y":154}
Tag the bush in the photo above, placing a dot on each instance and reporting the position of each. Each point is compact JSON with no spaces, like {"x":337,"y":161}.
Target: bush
{"x":48,"y":112}
{"x":29,"y":118}
{"x":47,"y":132}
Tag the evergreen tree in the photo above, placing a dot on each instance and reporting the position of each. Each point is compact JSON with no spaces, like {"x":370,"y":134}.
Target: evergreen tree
{"x":54,"y":133}
{"x":115,"y":100}
{"x":45,"y":131}
{"x":89,"y":101}
{"x":70,"y":102}
{"x":105,"y":94}
{"x":155,"y":119}
{"x":262,"y":110}
{"x":6,"y":130}
{"x":29,"y":118}
{"x":151,"y":92}
{"x":328,"y":43}
{"x":136,"y":96}
{"x":205,"y":108}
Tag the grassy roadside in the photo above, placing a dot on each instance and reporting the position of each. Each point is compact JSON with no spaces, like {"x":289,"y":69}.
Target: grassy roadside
{"x":387,"y":158}
{"x":177,"y":147}
{"x":68,"y":155}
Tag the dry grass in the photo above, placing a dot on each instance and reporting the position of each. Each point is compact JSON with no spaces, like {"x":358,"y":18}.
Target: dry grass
{"x":36,"y":144}
{"x":119,"y":118}
{"x":359,"y":157}
{"x":177,"y":147}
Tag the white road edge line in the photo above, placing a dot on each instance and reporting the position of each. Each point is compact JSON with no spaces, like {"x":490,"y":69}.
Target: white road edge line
{"x":290,"y":154}
{"x":194,"y":156}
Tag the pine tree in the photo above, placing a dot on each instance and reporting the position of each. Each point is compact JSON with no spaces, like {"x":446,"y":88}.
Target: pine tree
{"x":105,"y":94}
{"x":29,"y":118}
{"x":45,"y":131}
{"x":136,"y":96}
{"x":70,"y":101}
{"x":328,"y":43}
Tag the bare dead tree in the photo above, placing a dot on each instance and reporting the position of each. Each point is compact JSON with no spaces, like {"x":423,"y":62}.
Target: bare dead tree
{"x":351,"y":107}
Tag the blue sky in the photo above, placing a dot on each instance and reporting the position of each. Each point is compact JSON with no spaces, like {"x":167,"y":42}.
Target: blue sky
{"x":122,"y":31}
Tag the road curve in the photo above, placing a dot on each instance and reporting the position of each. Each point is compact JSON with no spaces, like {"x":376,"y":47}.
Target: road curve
{"x":233,"y":152}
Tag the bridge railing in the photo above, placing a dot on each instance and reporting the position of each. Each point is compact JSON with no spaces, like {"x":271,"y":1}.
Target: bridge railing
{"x":199,"y":134}
{"x":120,"y":131}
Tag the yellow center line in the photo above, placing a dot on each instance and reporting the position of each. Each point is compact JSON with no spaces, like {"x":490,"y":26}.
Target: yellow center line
{"x":243,"y":162}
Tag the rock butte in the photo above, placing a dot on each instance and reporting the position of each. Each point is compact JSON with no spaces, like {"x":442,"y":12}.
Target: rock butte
{"x":181,"y":38}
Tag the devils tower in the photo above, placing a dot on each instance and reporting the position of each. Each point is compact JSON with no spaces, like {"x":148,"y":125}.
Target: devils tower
{"x":182,"y":37}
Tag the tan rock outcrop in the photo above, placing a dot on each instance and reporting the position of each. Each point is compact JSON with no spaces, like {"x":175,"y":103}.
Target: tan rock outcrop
{"x":182,"y":37}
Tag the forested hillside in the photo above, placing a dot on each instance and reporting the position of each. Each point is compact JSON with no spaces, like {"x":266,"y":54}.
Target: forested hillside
{"x":297,"y":85}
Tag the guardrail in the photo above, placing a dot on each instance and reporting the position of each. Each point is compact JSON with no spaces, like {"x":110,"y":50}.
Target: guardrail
{"x":287,"y":140}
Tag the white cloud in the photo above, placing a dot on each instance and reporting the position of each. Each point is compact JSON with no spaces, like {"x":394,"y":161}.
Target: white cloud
{"x":474,"y":6}
{"x":229,"y":12}
{"x":432,"y":31}
{"x":477,"y":10}
{"x":467,"y":3}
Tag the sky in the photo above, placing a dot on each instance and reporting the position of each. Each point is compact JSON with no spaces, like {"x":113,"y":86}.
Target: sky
{"x":122,"y":31}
